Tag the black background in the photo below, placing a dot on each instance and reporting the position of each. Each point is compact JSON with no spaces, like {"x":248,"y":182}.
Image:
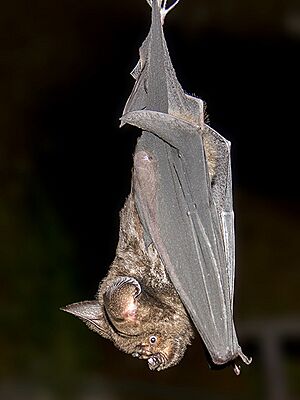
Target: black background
{"x":65,"y":173}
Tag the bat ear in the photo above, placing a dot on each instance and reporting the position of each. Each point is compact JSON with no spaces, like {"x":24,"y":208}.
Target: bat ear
{"x":91,"y":313}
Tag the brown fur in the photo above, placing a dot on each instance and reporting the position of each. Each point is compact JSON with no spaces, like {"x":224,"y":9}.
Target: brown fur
{"x":132,"y":322}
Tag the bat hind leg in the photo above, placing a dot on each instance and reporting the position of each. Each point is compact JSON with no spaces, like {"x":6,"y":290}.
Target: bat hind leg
{"x":164,"y":10}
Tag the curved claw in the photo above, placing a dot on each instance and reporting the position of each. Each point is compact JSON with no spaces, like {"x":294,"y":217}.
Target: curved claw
{"x":245,"y":359}
{"x":237,"y":369}
{"x":164,"y":11}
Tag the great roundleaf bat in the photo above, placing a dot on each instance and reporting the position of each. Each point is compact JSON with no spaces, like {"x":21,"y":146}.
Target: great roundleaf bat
{"x":173,"y":273}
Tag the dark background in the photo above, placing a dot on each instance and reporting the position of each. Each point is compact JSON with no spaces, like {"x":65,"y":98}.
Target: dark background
{"x":65,"y":171}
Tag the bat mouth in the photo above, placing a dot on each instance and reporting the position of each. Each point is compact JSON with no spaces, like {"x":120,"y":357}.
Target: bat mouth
{"x":143,"y":355}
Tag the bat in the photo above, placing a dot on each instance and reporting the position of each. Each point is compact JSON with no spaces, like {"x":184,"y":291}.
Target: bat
{"x":173,"y":273}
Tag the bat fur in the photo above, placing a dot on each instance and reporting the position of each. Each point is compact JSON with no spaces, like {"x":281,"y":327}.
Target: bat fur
{"x":138,"y":307}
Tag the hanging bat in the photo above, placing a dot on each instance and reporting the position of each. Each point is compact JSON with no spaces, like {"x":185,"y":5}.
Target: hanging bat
{"x":173,"y":273}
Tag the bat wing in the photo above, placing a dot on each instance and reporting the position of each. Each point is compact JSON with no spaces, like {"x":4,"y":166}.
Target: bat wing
{"x":221,"y":191}
{"x":183,"y":198}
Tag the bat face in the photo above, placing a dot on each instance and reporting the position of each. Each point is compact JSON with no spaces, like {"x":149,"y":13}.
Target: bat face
{"x":175,"y":263}
{"x":161,"y":351}
{"x":149,"y":328}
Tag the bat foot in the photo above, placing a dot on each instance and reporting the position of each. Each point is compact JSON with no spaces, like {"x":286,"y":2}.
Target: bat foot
{"x":164,"y":10}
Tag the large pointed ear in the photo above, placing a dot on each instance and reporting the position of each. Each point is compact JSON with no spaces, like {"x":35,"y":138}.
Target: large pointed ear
{"x":91,"y":313}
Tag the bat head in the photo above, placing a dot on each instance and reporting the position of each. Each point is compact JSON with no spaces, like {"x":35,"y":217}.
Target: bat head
{"x":137,"y":322}
{"x":147,"y":327}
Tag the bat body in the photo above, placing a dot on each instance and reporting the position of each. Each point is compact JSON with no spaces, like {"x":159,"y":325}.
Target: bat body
{"x":137,"y":306}
{"x":175,"y":261}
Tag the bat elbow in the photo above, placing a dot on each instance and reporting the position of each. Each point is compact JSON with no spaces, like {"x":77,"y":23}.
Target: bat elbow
{"x":222,"y":356}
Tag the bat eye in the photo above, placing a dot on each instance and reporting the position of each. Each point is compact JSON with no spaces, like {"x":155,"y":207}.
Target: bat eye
{"x":152,"y":339}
